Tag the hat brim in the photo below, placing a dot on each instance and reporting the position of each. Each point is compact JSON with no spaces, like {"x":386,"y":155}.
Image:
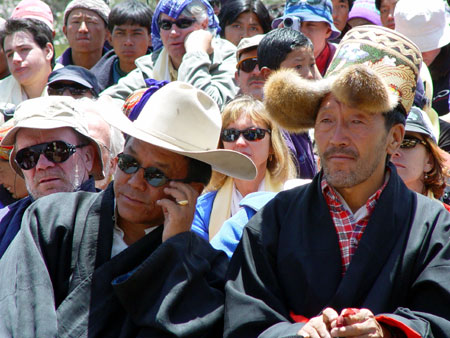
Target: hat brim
{"x":71,"y":78}
{"x":429,"y":42}
{"x":37,"y":123}
{"x":228,"y":162}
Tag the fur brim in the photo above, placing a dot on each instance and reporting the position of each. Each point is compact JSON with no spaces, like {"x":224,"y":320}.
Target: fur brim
{"x":293,"y":102}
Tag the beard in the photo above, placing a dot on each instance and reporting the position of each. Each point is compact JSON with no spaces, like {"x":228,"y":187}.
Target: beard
{"x":351,"y":176}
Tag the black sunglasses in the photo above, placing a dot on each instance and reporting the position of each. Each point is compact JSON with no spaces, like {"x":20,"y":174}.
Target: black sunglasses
{"x":250,"y":134}
{"x":74,"y":90}
{"x":410,"y":142}
{"x":182,"y":23}
{"x":55,"y":151}
{"x":154,"y":176}
{"x":247,"y":65}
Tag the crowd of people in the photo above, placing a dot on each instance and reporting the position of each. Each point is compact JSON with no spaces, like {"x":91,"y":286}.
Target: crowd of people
{"x":295,"y":169}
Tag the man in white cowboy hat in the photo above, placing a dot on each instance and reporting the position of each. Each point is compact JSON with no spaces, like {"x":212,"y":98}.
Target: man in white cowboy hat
{"x":52,"y":151}
{"x":354,"y":253}
{"x":122,"y":262}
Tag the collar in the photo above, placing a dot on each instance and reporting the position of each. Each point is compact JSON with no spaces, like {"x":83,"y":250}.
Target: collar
{"x":322,"y":59}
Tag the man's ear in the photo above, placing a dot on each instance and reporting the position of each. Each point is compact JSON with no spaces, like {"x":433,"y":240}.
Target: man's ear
{"x":395,"y":138}
{"x":89,"y":157}
{"x":65,"y":30}
{"x":265,"y":72}
{"x":49,"y":51}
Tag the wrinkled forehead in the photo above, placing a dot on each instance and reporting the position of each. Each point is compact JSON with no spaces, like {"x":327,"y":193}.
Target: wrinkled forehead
{"x":27,"y":137}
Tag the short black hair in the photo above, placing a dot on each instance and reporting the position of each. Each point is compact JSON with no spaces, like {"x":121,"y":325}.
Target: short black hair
{"x":395,"y":116}
{"x":277,"y":44}
{"x":233,"y":8}
{"x":131,"y":12}
{"x":199,"y":171}
{"x":41,"y":33}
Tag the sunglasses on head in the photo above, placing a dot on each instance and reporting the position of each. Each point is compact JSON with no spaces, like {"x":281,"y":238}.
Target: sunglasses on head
{"x":250,"y":134}
{"x":182,"y":23}
{"x":73,"y":89}
{"x":154,"y":176}
{"x":55,"y":151}
{"x":248,"y":64}
{"x":410,"y":142}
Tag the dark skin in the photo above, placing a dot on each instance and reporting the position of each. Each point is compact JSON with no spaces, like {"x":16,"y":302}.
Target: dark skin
{"x":141,"y":206}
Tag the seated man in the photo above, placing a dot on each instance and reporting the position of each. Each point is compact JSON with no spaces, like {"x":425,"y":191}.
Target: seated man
{"x":85,"y":27}
{"x":52,"y":151}
{"x":28,"y":46}
{"x":185,"y":48}
{"x":355,"y":253}
{"x":123,"y":263}
{"x":129,"y":24}
{"x":73,"y":81}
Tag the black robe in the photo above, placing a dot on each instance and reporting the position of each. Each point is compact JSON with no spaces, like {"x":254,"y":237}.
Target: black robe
{"x":289,"y":262}
{"x":58,"y":278}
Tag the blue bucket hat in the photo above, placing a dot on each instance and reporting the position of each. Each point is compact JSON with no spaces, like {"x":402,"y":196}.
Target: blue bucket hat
{"x":310,"y":10}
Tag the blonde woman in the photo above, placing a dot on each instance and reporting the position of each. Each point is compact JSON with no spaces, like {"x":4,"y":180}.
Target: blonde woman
{"x":248,"y":130}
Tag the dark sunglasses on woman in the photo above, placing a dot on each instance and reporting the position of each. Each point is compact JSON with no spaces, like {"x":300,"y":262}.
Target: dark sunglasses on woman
{"x":182,"y":23}
{"x":247,"y":65}
{"x":55,"y":151}
{"x":410,"y":142}
{"x":154,"y":176}
{"x":250,"y":134}
{"x":76,"y":90}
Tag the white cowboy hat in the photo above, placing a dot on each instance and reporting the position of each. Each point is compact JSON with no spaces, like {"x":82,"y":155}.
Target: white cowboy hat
{"x":185,"y":120}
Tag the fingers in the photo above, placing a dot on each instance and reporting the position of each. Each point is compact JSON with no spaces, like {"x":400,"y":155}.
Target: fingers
{"x":357,"y":323}
{"x":178,"y":211}
{"x":319,"y":327}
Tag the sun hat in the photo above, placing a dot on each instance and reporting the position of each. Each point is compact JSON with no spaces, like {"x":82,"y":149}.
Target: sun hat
{"x":424,"y":22}
{"x":310,"y":10}
{"x":374,"y":69}
{"x":186,"y":121}
{"x":33,"y":9}
{"x":247,"y":43}
{"x":97,"y":6}
{"x":50,"y":112}
{"x":419,"y":122}
{"x":365,"y":9}
{"x":76,"y":74}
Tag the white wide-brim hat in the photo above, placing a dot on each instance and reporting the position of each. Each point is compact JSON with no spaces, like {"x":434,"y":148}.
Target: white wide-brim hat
{"x":186,"y":121}
{"x":424,"y":22}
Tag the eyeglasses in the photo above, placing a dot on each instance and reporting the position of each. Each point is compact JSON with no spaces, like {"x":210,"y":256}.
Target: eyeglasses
{"x":73,"y":89}
{"x":55,"y":151}
{"x":182,"y":23}
{"x":250,"y":134}
{"x":155,"y":177}
{"x":410,"y":142}
{"x":247,"y":65}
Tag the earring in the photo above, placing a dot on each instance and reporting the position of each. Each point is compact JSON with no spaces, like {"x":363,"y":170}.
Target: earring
{"x":426,"y":176}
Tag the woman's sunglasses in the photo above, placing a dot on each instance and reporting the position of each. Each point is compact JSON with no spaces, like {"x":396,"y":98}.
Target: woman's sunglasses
{"x":247,"y":65}
{"x":250,"y":134}
{"x":55,"y":151}
{"x":410,"y":142}
{"x":182,"y":23}
{"x":155,"y":177}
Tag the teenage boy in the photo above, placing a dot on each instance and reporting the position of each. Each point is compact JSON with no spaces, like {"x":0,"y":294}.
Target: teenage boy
{"x":130,"y":26}
{"x":288,"y":48}
{"x":316,"y":22}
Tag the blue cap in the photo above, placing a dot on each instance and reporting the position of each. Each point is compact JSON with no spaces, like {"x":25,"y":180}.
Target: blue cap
{"x":310,"y":10}
{"x":76,"y":74}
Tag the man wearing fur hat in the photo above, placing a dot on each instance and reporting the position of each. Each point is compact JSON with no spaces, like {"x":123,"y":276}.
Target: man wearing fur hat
{"x":123,"y":262}
{"x":52,"y":151}
{"x":354,"y":253}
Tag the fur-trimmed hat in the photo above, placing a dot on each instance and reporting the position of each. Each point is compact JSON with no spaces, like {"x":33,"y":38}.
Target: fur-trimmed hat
{"x":374,"y":68}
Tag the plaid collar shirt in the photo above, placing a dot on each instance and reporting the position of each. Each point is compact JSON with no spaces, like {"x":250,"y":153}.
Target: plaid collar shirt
{"x":349,"y":227}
